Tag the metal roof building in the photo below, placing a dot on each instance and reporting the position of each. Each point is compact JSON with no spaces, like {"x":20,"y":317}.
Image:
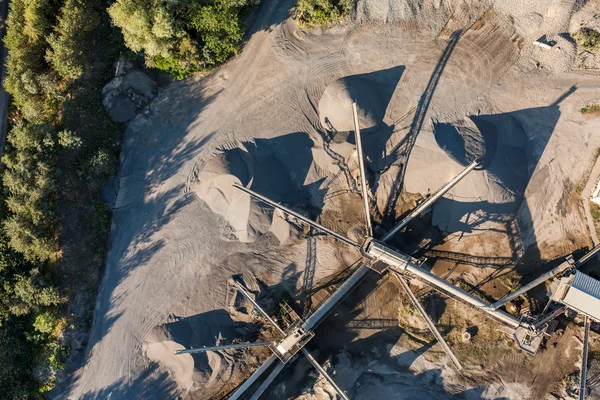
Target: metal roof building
{"x":583,"y":296}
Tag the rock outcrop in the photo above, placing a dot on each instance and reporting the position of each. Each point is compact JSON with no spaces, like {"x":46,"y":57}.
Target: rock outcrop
{"x":128,"y":92}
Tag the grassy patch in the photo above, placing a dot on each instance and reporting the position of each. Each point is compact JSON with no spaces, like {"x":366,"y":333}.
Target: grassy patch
{"x":474,"y":290}
{"x":510,"y":280}
{"x":595,"y":211}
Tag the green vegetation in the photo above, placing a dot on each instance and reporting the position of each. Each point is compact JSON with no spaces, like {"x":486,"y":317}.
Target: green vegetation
{"x":62,"y":147}
{"x":322,"y":12}
{"x":595,"y":213}
{"x":218,"y":26}
{"x":588,"y":39}
{"x":591,"y":109}
{"x":30,"y":179}
{"x":27,"y":320}
{"x":181,"y":37}
{"x":66,"y":53}
{"x":59,"y":151}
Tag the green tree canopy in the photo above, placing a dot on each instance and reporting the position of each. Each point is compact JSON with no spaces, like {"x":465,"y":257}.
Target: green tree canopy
{"x":180,"y":36}
{"x":219,"y":28}
{"x":67,"y":54}
{"x":147,"y":25}
{"x":30,"y":180}
{"x":27,"y":80}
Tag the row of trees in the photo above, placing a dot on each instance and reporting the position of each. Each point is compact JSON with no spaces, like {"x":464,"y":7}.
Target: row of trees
{"x":44,"y":55}
{"x":57,"y":128}
{"x":61,"y":148}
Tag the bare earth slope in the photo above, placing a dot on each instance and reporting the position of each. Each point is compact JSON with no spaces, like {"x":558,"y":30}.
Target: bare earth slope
{"x":444,"y":81}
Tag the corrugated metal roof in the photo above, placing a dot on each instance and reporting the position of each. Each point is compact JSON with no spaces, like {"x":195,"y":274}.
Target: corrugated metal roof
{"x":586,"y":284}
{"x":584,"y":295}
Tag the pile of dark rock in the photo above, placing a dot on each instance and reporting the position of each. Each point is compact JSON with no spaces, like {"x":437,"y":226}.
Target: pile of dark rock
{"x":128,"y":92}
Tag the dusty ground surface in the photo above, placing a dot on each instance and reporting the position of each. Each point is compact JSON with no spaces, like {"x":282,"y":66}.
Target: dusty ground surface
{"x":438,"y":83}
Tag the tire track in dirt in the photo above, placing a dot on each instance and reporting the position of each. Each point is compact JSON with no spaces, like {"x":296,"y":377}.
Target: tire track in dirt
{"x":167,"y":258}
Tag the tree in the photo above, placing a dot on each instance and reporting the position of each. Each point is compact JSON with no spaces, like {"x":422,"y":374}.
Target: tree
{"x":184,"y":61}
{"x":322,"y":12}
{"x":45,"y":322}
{"x":147,"y":25}
{"x":180,"y":36}
{"x":30,"y":180}
{"x":219,"y":28}
{"x":588,"y":39}
{"x":16,"y":354}
{"x":26,"y":72}
{"x":67,"y":54}
{"x":30,"y":293}
{"x":36,"y":19}
{"x":69,"y":140}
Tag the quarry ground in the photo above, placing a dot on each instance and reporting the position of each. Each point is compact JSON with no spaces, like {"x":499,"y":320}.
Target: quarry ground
{"x":437,"y":84}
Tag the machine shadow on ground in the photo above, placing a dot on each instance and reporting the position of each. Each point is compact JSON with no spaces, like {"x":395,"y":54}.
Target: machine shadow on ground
{"x":278,"y":169}
{"x":341,"y":332}
{"x":403,"y":149}
{"x":511,"y":165}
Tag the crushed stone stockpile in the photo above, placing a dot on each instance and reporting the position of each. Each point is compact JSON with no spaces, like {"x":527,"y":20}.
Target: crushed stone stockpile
{"x":289,"y":169}
{"x":438,"y":84}
{"x":335,"y":105}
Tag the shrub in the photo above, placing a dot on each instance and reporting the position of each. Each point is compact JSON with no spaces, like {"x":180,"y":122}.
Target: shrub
{"x":98,"y":168}
{"x":322,"y":12}
{"x":45,"y":322}
{"x":590,"y":109}
{"x":69,"y":140}
{"x":588,"y":39}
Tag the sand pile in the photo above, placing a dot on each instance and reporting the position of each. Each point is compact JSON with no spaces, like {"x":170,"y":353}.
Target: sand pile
{"x":257,"y":167}
{"x":399,"y":374}
{"x":288,"y":169}
{"x":247,"y":219}
{"x":207,"y":370}
{"x":479,"y":201}
{"x":335,"y":106}
{"x":432,"y":12}
{"x":464,"y":142}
